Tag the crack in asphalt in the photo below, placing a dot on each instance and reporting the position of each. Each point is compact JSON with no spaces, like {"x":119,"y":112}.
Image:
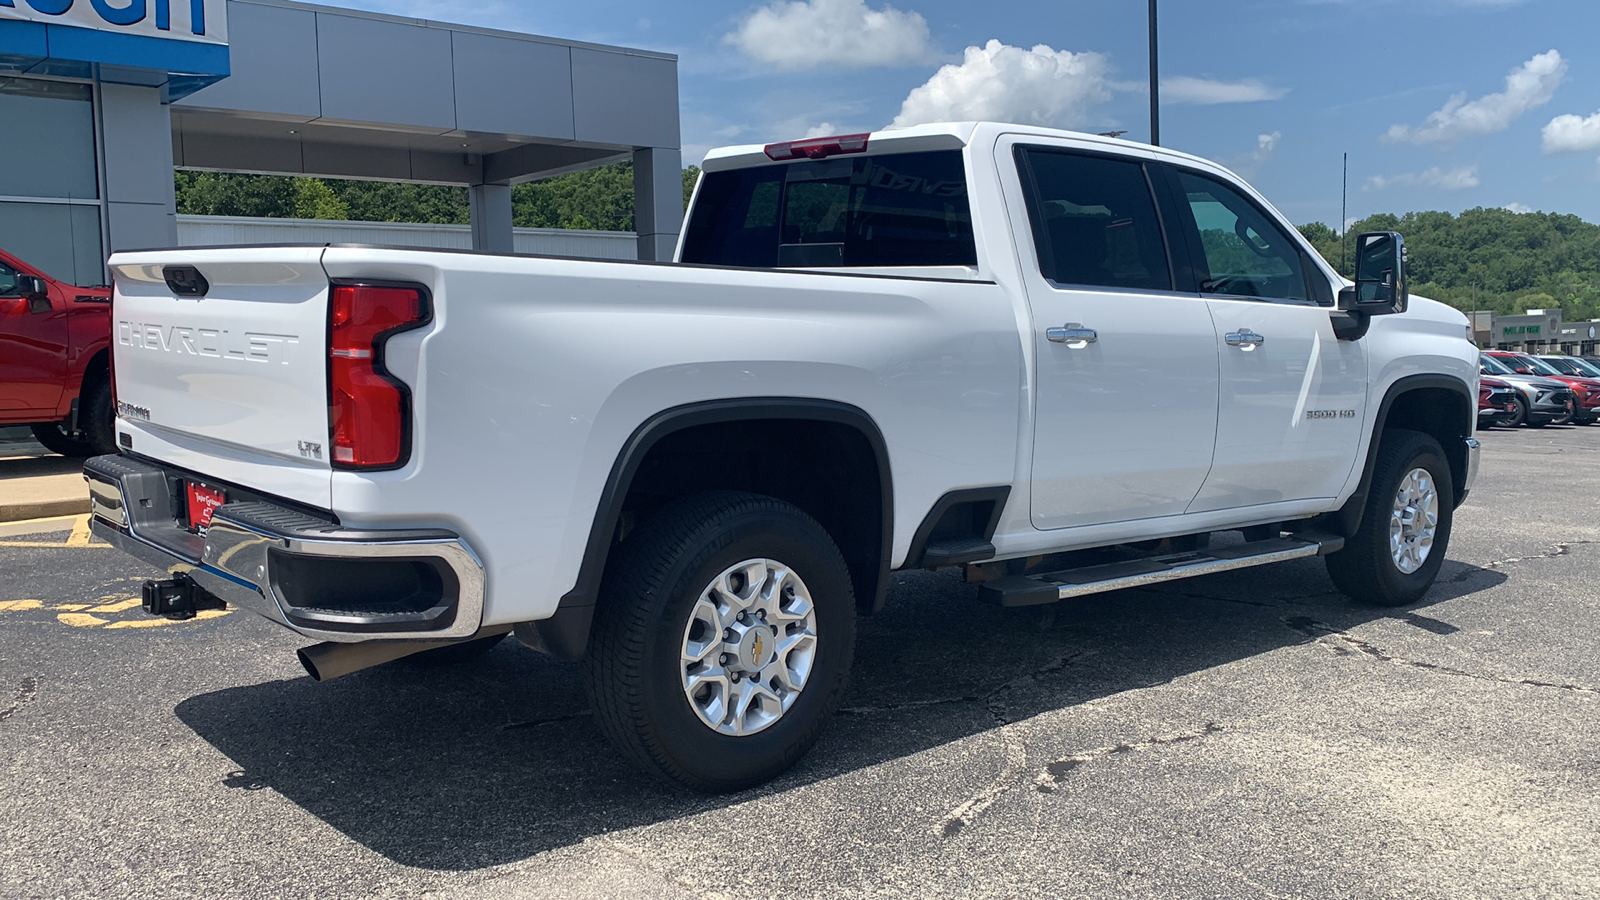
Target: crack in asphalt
{"x":1354,"y":645}
{"x":1051,"y":775}
{"x":1556,"y":551}
{"x":1059,"y":769}
{"x":554,"y":720}
{"x":25,"y":695}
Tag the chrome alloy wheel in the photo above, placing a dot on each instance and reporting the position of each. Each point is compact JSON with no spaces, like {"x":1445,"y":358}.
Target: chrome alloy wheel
{"x":748,"y":647}
{"x":1413,"y":520}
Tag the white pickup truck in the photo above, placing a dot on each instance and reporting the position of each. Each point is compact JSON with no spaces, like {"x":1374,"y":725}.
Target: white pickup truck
{"x":977,"y":345}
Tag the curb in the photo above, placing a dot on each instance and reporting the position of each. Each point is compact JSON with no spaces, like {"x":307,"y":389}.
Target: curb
{"x":44,"y":509}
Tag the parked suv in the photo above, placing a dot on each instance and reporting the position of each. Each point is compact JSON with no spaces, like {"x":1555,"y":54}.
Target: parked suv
{"x":1540,"y":401}
{"x":55,"y":372}
{"x":1585,"y":390}
{"x":1497,"y":402}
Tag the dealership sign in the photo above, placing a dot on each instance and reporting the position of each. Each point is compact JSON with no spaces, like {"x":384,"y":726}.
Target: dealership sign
{"x":203,"y":21}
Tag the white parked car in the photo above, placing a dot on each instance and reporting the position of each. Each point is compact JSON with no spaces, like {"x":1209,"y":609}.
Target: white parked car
{"x":952,"y":345}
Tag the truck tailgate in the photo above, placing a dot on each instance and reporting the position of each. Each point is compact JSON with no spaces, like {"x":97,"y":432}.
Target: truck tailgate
{"x":233,"y":383}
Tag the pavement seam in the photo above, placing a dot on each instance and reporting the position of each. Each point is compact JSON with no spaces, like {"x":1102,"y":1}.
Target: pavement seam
{"x":1353,"y":645}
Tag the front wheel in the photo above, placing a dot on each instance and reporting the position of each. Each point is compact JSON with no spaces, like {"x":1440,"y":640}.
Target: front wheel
{"x":1394,"y":557}
{"x":1520,"y":417}
{"x":722,"y":640}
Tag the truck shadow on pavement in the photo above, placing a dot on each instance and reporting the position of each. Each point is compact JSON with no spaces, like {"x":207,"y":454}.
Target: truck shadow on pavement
{"x":496,"y":760}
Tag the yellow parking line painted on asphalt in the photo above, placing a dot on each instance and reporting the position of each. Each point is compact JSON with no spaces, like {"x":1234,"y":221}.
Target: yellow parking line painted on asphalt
{"x":119,"y":603}
{"x":80,"y":532}
{"x":152,"y":623}
{"x":36,"y":526}
{"x":81,"y":620}
{"x":72,"y":607}
{"x":20,"y":605}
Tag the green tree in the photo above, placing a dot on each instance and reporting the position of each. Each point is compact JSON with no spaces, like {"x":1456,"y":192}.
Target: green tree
{"x":313,"y":199}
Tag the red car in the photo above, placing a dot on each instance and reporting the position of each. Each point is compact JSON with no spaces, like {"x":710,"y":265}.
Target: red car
{"x":55,"y":369}
{"x":1586,"y":390}
{"x":1497,"y":402}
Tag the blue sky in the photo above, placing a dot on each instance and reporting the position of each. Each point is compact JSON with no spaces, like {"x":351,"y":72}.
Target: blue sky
{"x":1441,"y":104}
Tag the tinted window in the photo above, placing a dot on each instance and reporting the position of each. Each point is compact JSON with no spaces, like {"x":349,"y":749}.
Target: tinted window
{"x":8,"y":281}
{"x":1244,"y":253}
{"x":1094,"y":222}
{"x":48,"y":149}
{"x":906,"y":209}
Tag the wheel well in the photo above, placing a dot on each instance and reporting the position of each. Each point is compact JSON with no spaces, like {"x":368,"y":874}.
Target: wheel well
{"x":1442,"y":413}
{"x":98,"y":369}
{"x":828,"y":469}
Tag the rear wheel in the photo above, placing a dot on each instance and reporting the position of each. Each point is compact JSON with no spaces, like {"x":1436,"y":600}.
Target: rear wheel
{"x":1395,"y":556}
{"x":722,"y":640}
{"x":97,"y":431}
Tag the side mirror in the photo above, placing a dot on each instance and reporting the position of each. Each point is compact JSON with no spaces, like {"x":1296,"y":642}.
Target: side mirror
{"x":33,"y":288}
{"x":1380,"y":287}
{"x":1523,"y":371}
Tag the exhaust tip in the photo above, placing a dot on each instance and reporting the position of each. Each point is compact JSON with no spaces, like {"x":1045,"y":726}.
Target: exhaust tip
{"x":308,"y":664}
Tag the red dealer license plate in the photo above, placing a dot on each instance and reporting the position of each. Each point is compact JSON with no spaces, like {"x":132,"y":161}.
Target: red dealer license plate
{"x":203,"y":501}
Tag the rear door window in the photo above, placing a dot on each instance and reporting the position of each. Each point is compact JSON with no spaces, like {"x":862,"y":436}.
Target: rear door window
{"x":905,"y":209}
{"x":1094,"y":221}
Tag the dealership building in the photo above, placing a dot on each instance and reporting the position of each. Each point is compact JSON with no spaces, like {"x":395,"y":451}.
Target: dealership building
{"x":102,"y":99}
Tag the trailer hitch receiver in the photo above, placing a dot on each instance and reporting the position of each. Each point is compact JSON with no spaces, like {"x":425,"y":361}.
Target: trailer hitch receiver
{"x":178,"y":598}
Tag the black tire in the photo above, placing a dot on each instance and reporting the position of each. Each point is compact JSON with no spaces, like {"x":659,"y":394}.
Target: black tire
{"x":97,"y":428}
{"x":466,"y":651}
{"x":1365,"y":570}
{"x":1520,"y":417}
{"x":653,"y":582}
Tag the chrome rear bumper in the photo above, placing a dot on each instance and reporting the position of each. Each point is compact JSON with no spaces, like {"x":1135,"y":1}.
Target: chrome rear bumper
{"x":269,"y":558}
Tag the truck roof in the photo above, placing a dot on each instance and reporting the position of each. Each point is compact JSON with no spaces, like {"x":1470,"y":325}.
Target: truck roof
{"x":947,"y":136}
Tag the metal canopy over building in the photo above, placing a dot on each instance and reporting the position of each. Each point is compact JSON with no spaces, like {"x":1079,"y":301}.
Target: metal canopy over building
{"x":276,"y":87}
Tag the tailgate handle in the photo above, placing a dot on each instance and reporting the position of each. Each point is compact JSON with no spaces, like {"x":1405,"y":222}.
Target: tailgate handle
{"x":186,"y":281}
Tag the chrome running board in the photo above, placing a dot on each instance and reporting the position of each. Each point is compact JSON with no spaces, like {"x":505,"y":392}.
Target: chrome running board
{"x":1053,"y":587}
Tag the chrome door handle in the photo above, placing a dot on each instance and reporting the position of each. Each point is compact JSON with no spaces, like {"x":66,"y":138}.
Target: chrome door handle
{"x":1244,"y":337}
{"x":1072,"y":334}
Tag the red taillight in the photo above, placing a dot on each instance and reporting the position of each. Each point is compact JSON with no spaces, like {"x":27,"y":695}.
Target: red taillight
{"x":369,"y":410}
{"x":818,"y":148}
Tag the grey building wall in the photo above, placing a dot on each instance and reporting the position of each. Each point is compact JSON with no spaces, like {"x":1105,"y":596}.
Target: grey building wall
{"x":136,"y":132}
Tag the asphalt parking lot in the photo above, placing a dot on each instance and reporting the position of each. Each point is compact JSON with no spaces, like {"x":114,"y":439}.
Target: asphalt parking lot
{"x":1249,"y":734}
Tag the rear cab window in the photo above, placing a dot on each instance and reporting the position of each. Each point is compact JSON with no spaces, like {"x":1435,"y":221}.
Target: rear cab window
{"x":889,"y":210}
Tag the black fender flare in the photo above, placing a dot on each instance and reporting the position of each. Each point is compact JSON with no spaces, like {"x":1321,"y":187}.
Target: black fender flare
{"x":566,"y":633}
{"x":1348,"y":518}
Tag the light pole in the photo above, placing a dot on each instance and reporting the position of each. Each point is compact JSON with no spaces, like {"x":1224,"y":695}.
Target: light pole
{"x":1155,"y":83}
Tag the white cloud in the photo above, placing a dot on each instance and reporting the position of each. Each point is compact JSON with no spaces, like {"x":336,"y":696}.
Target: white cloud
{"x":809,"y":34}
{"x":1572,"y":134}
{"x":1247,"y":166}
{"x":826,"y":129}
{"x":1518,"y":208}
{"x":998,"y":82}
{"x":1206,"y":91}
{"x":1528,"y":86}
{"x":1445,"y":179}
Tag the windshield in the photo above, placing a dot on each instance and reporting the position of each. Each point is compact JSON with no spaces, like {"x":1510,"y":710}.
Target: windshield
{"x":1585,"y":368}
{"x":1571,"y":366}
{"x":1494,"y":366}
{"x":1539,"y":366}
